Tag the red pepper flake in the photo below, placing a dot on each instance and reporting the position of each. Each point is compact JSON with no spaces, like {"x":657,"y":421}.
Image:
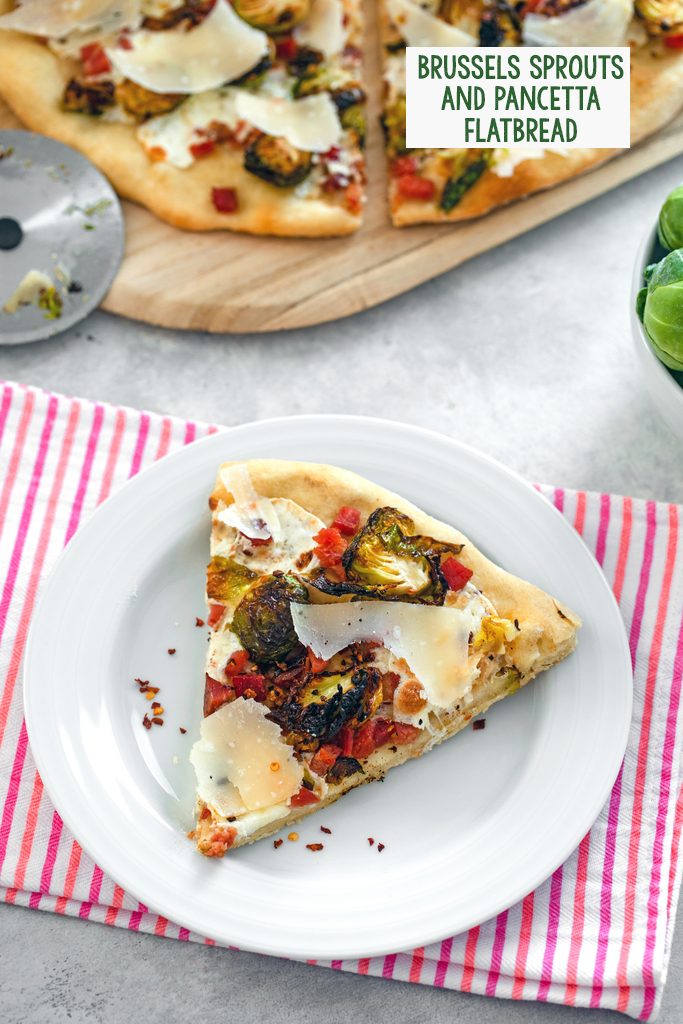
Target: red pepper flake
{"x":203,"y":148}
{"x":315,"y":847}
{"x":155,"y":705}
{"x":277,"y":843}
{"x":327,"y":831}
{"x":157,"y":720}
{"x":171,"y":650}
{"x":147,"y":722}
{"x":479,"y":723}
{"x":183,"y":731}
{"x":199,"y":622}
{"x":371,"y":841}
{"x":380,"y":847}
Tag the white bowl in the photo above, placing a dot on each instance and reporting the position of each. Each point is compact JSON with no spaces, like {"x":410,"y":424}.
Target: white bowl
{"x":665,"y":392}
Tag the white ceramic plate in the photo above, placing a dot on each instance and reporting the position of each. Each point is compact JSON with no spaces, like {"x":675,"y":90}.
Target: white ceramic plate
{"x":469,"y":829}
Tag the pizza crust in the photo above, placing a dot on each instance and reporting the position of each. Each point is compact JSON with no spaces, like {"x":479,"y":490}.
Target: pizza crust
{"x":656,"y":97}
{"x":548,"y":628}
{"x":32,"y":81}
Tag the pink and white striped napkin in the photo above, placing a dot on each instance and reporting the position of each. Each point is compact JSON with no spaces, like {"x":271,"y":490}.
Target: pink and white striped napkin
{"x":597,"y":933}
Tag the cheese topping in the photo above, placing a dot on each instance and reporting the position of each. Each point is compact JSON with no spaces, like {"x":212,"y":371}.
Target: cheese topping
{"x":506,"y":160}
{"x":595,"y":23}
{"x":433,"y":641}
{"x":287,"y":551}
{"x":220,"y":49}
{"x":58,"y":18}
{"x":242,"y":762}
{"x":323,"y":29}
{"x":222,"y":645}
{"x":311,"y":124}
{"x":420,"y":28}
{"x":250,"y":512}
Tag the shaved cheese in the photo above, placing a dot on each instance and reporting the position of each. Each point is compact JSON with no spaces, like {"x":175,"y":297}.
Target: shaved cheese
{"x":59,"y":18}
{"x":433,"y":641}
{"x":506,"y":160}
{"x":311,"y":124}
{"x":323,"y":29}
{"x":239,"y":749}
{"x":420,"y":28}
{"x":220,"y":49}
{"x":294,"y":540}
{"x":250,"y":512}
{"x":213,"y":785}
{"x":595,"y":23}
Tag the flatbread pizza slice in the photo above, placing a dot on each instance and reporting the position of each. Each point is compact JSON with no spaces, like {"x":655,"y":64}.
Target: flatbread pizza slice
{"x":247,"y":115}
{"x":444,"y":185}
{"x":350,"y":632}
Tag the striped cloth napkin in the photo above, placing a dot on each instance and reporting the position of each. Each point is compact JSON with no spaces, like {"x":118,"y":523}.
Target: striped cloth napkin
{"x":597,"y":933}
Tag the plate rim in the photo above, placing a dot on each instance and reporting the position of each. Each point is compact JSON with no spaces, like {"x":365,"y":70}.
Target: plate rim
{"x":347,"y":951}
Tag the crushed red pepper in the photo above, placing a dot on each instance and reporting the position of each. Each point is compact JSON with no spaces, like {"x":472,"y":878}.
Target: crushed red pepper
{"x":171,"y":650}
{"x":315,"y":847}
{"x":183,"y":731}
{"x":479,"y":723}
{"x":277,"y":843}
{"x":327,"y":831}
{"x":380,"y":847}
{"x":199,"y":622}
{"x":371,"y":841}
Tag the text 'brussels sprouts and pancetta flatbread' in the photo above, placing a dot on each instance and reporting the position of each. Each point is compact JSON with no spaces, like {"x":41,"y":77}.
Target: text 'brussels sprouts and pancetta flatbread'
{"x":250,"y":114}
{"x":349,"y":633}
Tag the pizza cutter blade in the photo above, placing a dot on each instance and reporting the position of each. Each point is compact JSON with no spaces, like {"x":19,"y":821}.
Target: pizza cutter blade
{"x":59,"y":216}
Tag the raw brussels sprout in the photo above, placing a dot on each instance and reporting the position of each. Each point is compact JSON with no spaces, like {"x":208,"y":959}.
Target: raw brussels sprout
{"x":660,"y":307}
{"x":263,"y":620}
{"x":276,"y":17}
{"x":277,"y":161}
{"x":327,"y":703}
{"x":227,"y":580}
{"x":670,"y":226}
{"x":463,"y":179}
{"x":385,"y":561}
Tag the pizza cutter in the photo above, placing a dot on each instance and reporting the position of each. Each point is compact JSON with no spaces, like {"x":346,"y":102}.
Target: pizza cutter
{"x":60,"y":219}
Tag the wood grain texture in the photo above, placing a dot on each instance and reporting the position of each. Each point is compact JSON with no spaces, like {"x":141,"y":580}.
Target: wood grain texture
{"x":237,"y":283}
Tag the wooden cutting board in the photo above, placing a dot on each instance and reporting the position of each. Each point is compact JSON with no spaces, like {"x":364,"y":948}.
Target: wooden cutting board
{"x":223,"y":282}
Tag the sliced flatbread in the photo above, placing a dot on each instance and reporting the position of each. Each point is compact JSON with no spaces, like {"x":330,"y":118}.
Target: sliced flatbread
{"x":245,"y":156}
{"x":437,"y":186}
{"x":350,"y":633}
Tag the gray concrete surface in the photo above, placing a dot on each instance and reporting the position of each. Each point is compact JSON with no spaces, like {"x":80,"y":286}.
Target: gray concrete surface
{"x":525,"y":353}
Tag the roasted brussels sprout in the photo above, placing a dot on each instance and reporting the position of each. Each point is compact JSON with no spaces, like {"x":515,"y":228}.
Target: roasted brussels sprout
{"x":327,"y":703}
{"x":394,"y":126}
{"x":227,"y":580}
{"x":92,"y":98}
{"x":660,"y":16}
{"x":500,"y":24}
{"x":190,"y":13}
{"x":670,"y":227}
{"x":142,"y":103}
{"x":385,"y":561}
{"x":277,"y":161}
{"x":353,"y":119}
{"x":263,"y":620}
{"x":343,"y":768}
{"x":304,"y":62}
{"x":273,"y":16}
{"x":463,"y":179}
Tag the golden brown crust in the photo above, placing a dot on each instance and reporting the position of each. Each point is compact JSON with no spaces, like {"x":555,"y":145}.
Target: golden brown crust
{"x":656,"y":97}
{"x":32,"y":81}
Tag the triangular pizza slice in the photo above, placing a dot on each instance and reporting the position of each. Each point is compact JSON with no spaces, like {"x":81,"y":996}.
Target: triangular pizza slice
{"x":350,"y":632}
